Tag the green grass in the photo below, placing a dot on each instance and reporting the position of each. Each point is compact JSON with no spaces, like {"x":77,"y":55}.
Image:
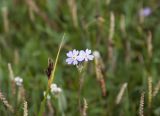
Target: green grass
{"x":28,"y":43}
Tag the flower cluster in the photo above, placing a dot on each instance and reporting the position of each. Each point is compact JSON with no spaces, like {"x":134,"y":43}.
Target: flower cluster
{"x":18,"y":81}
{"x":75,"y":56}
{"x":55,"y":90}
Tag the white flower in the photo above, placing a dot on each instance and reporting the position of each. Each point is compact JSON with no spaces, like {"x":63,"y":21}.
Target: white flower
{"x":59,"y":90}
{"x":55,"y":90}
{"x":18,"y":81}
{"x":48,"y":96}
{"x":53,"y":86}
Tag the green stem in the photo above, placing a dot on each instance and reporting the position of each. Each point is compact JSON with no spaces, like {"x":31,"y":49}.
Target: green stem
{"x":42,"y":107}
{"x":81,"y":81}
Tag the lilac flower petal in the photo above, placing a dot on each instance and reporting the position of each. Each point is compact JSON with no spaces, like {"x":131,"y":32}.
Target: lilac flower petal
{"x":69,"y":60}
{"x":82,"y":52}
{"x":80,"y":58}
{"x":75,"y":52}
{"x":70,"y":54}
{"x":88,"y":51}
{"x":145,"y":11}
{"x":90,"y":57}
{"x":75,"y":62}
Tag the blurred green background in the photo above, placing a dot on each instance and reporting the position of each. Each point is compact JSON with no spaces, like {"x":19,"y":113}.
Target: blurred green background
{"x":31,"y":31}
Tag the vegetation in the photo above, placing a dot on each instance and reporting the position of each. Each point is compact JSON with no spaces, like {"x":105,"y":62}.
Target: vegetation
{"x":123,"y":79}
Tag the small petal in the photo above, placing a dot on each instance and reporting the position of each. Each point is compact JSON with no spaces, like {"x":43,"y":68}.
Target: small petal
{"x":75,"y":52}
{"x":86,"y":59}
{"x":75,"y":62}
{"x":59,"y":90}
{"x":88,"y":51}
{"x":90,"y":57}
{"x":82,"y":52}
{"x":53,"y":85}
{"x":69,"y":54}
{"x":69,"y":60}
{"x":80,"y":58}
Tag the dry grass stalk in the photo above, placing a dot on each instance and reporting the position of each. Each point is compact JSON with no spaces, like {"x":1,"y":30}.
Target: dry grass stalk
{"x":11,"y":74}
{"x":16,"y":2}
{"x":141,"y":58}
{"x":51,"y":109}
{"x":31,"y":14}
{"x":112,"y":25}
{"x":85,"y":107}
{"x":5,"y":18}
{"x":141,"y":105}
{"x":149,"y":44}
{"x":141,"y":17}
{"x":126,"y":41}
{"x":122,"y":25}
{"x":128,"y":51}
{"x":156,"y":89}
{"x":5,"y":102}
{"x":21,"y":94}
{"x":25,"y":109}
{"x":108,"y":2}
{"x":111,"y":59}
{"x":100,"y":22}
{"x":16,"y":56}
{"x":33,"y":6}
{"x":99,"y":67}
{"x":73,"y":10}
{"x":121,"y":93}
{"x":149,"y":91}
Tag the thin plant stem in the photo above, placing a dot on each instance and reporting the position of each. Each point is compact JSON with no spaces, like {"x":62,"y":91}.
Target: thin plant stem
{"x":51,"y":79}
{"x":81,"y":81}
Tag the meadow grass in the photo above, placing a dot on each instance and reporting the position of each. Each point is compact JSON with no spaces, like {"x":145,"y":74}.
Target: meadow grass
{"x":122,"y":80}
